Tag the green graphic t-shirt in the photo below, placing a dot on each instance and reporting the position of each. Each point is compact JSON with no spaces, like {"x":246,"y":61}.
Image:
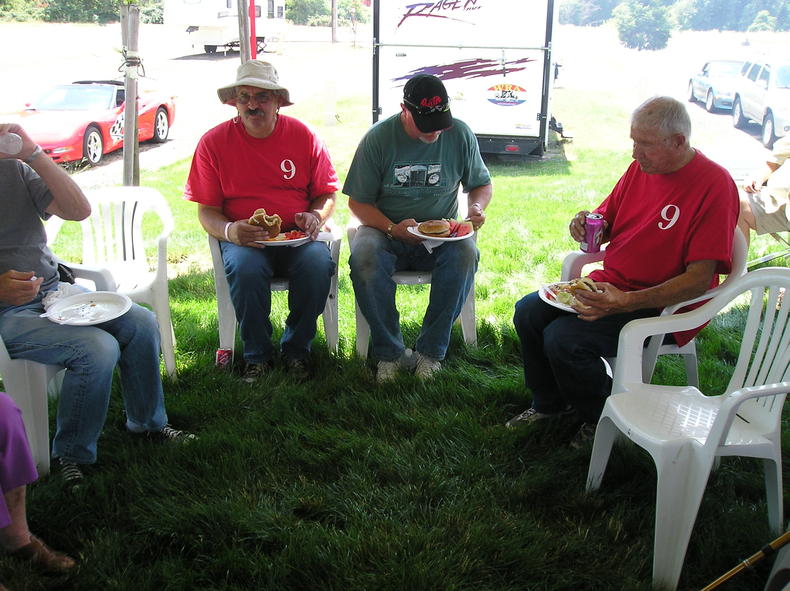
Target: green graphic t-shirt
{"x":406,"y":178}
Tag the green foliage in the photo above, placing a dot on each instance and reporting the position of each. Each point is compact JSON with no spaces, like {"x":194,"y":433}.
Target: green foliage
{"x":82,"y":11}
{"x":763,"y":22}
{"x":351,"y":12}
{"x":586,"y":12}
{"x":307,"y":12}
{"x":21,"y":10}
{"x":731,"y":15}
{"x":642,"y":24}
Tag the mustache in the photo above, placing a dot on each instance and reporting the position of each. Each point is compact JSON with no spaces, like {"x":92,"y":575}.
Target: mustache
{"x":253,"y":111}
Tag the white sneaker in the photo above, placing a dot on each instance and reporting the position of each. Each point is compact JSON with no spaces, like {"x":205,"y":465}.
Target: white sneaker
{"x":386,"y":370}
{"x":426,"y":366}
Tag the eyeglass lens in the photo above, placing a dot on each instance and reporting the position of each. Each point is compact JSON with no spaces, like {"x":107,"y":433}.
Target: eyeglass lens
{"x":260,"y":98}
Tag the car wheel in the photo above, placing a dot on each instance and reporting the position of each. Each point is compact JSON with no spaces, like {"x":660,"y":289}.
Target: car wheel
{"x":768,"y":136}
{"x":161,"y":126}
{"x":92,"y":145}
{"x":210,"y":48}
{"x":738,"y":120}
{"x":710,"y":105}
{"x":691,"y":97}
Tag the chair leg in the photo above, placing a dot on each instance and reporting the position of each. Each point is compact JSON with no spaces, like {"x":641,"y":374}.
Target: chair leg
{"x":331,"y":319}
{"x":605,"y":434}
{"x":682,"y":478}
{"x":167,"y":337}
{"x":28,"y":388}
{"x":692,"y":374}
{"x":363,"y":333}
{"x":773,"y":493}
{"x":468,"y":320}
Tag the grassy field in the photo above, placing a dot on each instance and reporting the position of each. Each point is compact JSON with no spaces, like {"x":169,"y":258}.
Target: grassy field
{"x":342,"y":484}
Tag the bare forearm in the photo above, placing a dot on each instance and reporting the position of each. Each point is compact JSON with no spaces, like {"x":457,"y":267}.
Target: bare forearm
{"x":694,"y":282}
{"x":68,"y":200}
{"x":213,"y":221}
{"x":369,"y":215}
{"x":324,"y":206}
{"x":480,"y":195}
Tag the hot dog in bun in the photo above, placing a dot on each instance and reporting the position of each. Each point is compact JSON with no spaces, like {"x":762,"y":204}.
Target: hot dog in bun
{"x":438,"y":228}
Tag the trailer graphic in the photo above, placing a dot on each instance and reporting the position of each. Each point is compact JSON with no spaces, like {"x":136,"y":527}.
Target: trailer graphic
{"x":494,"y":57}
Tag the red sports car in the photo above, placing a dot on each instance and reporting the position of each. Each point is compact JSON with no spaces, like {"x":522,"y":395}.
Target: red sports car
{"x":85,"y":119}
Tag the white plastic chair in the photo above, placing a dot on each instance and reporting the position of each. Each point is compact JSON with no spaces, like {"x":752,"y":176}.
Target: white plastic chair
{"x":684,"y":431}
{"x":26,"y":381}
{"x":467,"y":316}
{"x":227,"y":314}
{"x":572,"y":268}
{"x":112,"y":237}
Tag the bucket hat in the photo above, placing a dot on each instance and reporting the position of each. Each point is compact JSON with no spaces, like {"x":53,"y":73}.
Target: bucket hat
{"x":254,"y":73}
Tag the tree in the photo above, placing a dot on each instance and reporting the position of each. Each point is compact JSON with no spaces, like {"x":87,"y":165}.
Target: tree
{"x":308,"y":12}
{"x":642,"y":24}
{"x":587,"y":12}
{"x":763,"y":22}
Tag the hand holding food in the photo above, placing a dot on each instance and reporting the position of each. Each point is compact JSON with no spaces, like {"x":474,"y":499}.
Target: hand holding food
{"x":271,"y":223}
{"x":566,"y":291}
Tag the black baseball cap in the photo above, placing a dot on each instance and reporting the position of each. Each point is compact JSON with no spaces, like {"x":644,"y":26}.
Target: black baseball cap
{"x":426,"y":99}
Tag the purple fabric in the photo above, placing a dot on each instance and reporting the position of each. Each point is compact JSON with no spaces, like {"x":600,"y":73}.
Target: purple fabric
{"x":16,"y":461}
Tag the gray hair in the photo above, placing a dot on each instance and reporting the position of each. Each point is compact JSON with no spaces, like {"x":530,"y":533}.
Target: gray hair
{"x":666,"y":115}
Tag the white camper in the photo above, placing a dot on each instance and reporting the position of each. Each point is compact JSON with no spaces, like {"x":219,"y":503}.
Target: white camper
{"x":214,"y":24}
{"x":494,"y":57}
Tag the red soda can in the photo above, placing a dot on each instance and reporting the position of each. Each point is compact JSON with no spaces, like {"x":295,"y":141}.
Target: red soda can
{"x":224,"y":358}
{"x":593,"y":232}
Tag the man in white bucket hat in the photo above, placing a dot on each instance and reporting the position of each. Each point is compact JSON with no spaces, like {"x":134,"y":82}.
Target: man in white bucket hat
{"x":262,"y":159}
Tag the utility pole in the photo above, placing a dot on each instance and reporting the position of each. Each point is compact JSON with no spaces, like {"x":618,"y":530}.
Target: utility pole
{"x":130,"y":29}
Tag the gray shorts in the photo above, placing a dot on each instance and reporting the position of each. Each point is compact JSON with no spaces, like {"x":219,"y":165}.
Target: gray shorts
{"x":770,"y":213}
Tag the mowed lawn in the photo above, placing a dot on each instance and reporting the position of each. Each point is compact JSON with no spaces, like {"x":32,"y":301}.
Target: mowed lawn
{"x":342,"y":484}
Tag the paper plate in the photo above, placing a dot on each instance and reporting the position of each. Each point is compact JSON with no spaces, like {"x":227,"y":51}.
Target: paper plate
{"x":413,"y":230}
{"x":85,"y":309}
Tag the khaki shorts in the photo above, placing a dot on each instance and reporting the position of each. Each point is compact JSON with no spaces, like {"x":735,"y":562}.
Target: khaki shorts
{"x":770,"y":213}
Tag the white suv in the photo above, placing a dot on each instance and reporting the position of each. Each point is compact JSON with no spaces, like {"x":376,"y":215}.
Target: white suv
{"x":762,"y":94}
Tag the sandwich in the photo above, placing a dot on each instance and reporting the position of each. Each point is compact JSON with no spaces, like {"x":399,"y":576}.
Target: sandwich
{"x":434,"y":228}
{"x":270,"y":223}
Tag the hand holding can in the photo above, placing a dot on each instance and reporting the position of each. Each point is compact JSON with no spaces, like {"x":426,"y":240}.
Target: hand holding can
{"x":593,"y":232}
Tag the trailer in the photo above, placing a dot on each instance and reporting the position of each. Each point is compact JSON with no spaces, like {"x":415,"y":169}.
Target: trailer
{"x":494,"y":57}
{"x":214,"y":24}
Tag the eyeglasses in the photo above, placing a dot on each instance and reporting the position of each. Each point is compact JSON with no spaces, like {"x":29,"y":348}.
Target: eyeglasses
{"x":440,"y":108}
{"x":260,"y":97}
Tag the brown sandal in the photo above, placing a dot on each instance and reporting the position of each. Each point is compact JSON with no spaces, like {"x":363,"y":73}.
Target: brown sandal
{"x":44,"y":557}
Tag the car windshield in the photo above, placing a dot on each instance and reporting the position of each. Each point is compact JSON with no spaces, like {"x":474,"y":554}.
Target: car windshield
{"x":783,"y":76}
{"x":725,"y":68}
{"x":76,"y":98}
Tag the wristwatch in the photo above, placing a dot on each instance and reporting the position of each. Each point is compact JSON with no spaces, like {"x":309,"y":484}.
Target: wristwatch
{"x":389,"y":231}
{"x":33,"y":155}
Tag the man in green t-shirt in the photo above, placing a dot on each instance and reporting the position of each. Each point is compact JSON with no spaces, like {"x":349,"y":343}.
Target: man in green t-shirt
{"x":408,"y":169}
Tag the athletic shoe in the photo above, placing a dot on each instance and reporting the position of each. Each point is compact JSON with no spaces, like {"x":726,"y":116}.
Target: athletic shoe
{"x":169,"y":435}
{"x":531,"y":415}
{"x":584,"y":436}
{"x":71,"y":473}
{"x":298,"y":368}
{"x":426,"y":366}
{"x":386,"y":370}
{"x":254,"y":371}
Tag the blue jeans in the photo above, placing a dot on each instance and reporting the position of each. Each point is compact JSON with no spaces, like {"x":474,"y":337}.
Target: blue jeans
{"x":309,"y":269}
{"x":562,"y":355}
{"x":374,"y":258}
{"x":90,"y":354}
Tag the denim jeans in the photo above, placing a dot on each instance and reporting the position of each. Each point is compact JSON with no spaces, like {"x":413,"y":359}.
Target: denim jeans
{"x":90,"y":354}
{"x":374,"y":258}
{"x":309,"y":269}
{"x":562,"y":355}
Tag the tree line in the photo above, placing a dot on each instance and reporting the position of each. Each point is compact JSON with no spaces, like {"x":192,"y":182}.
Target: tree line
{"x":647,"y":24}
{"x":300,"y":12}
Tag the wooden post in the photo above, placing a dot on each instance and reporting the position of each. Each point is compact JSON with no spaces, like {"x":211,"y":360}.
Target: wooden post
{"x":130,"y":29}
{"x":244,"y":31}
{"x":334,"y":21}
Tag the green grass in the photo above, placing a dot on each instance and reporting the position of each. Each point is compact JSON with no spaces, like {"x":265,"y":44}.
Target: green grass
{"x":342,"y":484}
